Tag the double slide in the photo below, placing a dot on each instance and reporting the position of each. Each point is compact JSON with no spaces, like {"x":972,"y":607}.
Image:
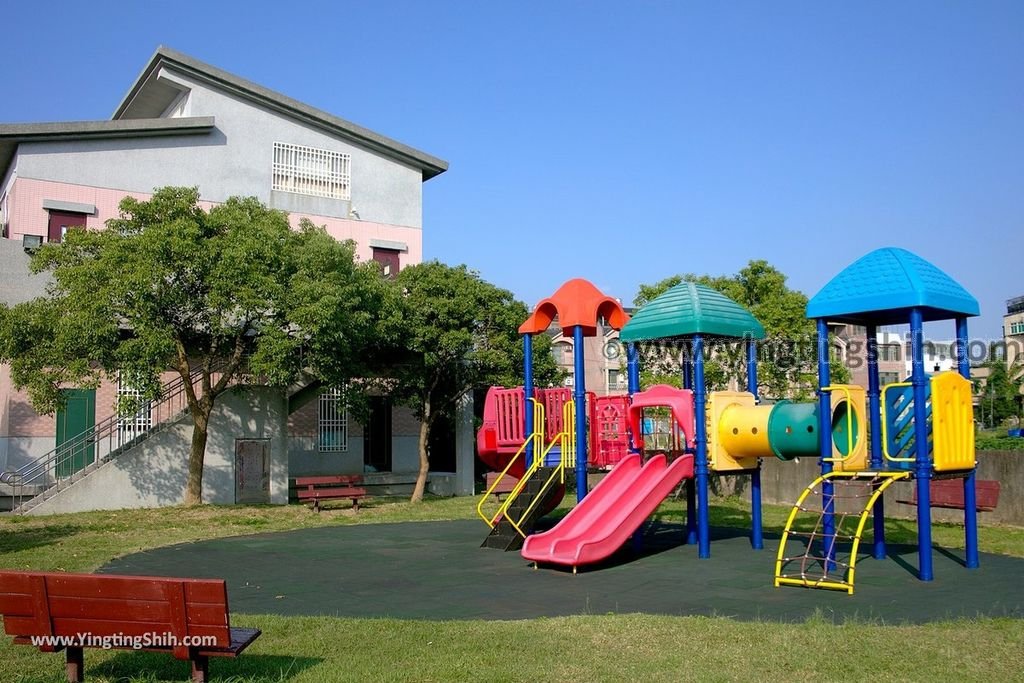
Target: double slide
{"x":610,"y":513}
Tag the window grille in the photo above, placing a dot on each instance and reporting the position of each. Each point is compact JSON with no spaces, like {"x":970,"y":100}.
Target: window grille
{"x":138,"y":421}
{"x":311,"y":171}
{"x":332,"y":425}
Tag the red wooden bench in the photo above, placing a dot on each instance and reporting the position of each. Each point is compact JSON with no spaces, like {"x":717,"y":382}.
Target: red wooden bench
{"x":333,"y":487}
{"x":185,"y":617}
{"x":949,"y":493}
{"x":504,"y":487}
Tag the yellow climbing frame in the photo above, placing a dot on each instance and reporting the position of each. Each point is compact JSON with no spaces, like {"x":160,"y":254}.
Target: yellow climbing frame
{"x":883,"y":480}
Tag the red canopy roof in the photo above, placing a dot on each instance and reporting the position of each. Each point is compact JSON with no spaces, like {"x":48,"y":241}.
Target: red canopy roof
{"x":576,"y":303}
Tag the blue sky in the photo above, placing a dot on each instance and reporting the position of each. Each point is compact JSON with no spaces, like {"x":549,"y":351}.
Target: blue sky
{"x":625,"y":142}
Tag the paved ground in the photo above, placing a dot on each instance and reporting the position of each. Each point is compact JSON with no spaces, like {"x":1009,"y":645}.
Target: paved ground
{"x":435,"y":570}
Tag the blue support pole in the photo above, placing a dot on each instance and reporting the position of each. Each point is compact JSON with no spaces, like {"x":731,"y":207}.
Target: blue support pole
{"x":756,"y":524}
{"x":528,"y":394}
{"x":633,"y":387}
{"x":580,"y":399}
{"x":701,"y":456}
{"x":875,"y":413}
{"x":970,"y":494}
{"x":828,"y":520}
{"x":922,"y":462}
{"x":690,"y":486}
{"x":632,"y":381}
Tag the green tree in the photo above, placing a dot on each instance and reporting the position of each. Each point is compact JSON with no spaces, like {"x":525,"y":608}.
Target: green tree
{"x":999,"y":392}
{"x":210,"y":294}
{"x":461,"y":333}
{"x":788,"y":359}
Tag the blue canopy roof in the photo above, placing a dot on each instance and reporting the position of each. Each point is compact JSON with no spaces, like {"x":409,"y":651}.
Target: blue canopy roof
{"x":881,"y":288}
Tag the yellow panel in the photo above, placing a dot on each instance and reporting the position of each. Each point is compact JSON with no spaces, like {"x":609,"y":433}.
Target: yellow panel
{"x":858,"y":398}
{"x":737,"y":404}
{"x":952,"y":423}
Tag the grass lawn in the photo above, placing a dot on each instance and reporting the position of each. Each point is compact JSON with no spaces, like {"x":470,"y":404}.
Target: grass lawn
{"x":586,"y":647}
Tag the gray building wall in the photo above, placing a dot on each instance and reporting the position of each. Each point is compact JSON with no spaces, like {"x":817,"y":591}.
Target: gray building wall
{"x":235,"y":160}
{"x":154,"y":473}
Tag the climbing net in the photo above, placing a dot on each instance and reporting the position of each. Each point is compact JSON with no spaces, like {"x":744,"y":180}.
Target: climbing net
{"x":828,"y":555}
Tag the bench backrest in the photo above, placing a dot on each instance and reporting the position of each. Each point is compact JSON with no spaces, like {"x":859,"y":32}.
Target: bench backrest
{"x":328,"y":480}
{"x":950,"y":493}
{"x":60,"y":604}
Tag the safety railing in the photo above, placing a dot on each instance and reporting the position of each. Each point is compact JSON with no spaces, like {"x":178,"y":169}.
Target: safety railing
{"x":535,"y":439}
{"x":885,"y":424}
{"x":566,"y":440}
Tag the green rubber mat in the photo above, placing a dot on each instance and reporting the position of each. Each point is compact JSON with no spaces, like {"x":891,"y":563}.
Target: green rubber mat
{"x":435,"y":570}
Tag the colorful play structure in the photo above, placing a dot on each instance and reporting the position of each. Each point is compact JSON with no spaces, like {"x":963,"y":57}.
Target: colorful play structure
{"x":864,"y":440}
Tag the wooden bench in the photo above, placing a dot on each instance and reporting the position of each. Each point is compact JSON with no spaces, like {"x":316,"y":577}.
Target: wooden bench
{"x":949,"y":493}
{"x":333,"y":487}
{"x":185,"y":617}
{"x":504,"y":487}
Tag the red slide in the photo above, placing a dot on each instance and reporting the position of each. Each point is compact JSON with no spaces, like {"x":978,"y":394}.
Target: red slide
{"x":610,"y":513}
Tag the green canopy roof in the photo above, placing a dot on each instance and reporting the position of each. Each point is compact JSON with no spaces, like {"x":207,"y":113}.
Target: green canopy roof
{"x":691,"y":308}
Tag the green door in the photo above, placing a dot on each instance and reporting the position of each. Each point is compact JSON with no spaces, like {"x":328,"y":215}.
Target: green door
{"x":77,"y":416}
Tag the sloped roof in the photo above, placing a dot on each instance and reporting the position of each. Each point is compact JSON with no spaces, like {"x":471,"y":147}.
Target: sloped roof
{"x":691,"y":308}
{"x":881,"y":288}
{"x":147,"y":98}
{"x":13,"y":134}
{"x":577,"y":303}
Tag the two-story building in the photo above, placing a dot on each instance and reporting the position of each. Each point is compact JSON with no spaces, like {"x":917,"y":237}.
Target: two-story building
{"x":184,"y":122}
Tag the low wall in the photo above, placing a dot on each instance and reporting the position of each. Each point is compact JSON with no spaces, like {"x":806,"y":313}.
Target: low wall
{"x":782,"y":482}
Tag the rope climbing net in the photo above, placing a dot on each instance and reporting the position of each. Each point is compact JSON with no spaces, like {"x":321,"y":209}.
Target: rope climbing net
{"x":823,"y":555}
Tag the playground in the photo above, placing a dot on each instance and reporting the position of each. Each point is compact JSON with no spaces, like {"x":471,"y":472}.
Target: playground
{"x":435,"y":571}
{"x":646,"y":539}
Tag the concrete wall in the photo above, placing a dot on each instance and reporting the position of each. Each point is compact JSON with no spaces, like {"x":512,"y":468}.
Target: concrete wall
{"x":235,"y":160}
{"x":782,"y":483}
{"x":154,"y":473}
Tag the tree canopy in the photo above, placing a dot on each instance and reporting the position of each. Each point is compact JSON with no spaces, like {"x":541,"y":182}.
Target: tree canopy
{"x":787,"y":357}
{"x":461,"y":333}
{"x":209,"y":294}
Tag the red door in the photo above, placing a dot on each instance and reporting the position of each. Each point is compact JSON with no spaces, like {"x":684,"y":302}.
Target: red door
{"x":61,"y":222}
{"x":388,"y":260}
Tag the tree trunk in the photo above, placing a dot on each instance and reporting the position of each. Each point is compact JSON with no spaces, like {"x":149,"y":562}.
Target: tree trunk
{"x":421,"y":477}
{"x":197,"y":456}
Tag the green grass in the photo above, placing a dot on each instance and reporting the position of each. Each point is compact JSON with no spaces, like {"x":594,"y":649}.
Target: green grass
{"x":582,"y":648}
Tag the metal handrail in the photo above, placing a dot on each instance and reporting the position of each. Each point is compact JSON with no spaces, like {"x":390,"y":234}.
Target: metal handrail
{"x":106,"y":438}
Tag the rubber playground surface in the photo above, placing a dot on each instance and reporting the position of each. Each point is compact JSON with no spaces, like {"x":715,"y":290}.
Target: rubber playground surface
{"x":436,"y":570}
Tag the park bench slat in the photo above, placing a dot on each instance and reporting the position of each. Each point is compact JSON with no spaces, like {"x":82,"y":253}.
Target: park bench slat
{"x":321,"y":480}
{"x":329,"y":493}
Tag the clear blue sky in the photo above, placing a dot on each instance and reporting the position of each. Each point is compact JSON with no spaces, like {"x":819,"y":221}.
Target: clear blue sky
{"x":624,"y":142}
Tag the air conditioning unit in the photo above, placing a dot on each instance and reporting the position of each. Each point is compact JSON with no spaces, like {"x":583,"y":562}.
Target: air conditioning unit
{"x":31,"y":242}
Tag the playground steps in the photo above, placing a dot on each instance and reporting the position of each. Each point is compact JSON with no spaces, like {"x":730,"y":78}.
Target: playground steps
{"x":503,"y":535}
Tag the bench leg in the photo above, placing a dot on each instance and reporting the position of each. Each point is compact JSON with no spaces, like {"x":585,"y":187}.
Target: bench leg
{"x":355,"y":504}
{"x":75,"y":667}
{"x":200,"y":668}
{"x":316,"y":505}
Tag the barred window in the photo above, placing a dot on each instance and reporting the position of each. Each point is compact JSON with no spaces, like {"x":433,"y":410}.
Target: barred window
{"x":133,"y":424}
{"x":311,"y":171}
{"x":332,"y":425}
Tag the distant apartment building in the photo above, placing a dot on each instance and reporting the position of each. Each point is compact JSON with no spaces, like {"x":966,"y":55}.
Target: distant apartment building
{"x":1013,"y":329}
{"x":604,"y":360}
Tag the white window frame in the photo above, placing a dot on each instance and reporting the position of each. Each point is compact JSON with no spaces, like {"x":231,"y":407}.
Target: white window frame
{"x":311,"y":171}
{"x":332,"y":421}
{"x":131,"y":426}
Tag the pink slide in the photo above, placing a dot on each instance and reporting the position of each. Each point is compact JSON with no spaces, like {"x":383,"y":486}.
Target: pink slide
{"x":610,"y":513}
